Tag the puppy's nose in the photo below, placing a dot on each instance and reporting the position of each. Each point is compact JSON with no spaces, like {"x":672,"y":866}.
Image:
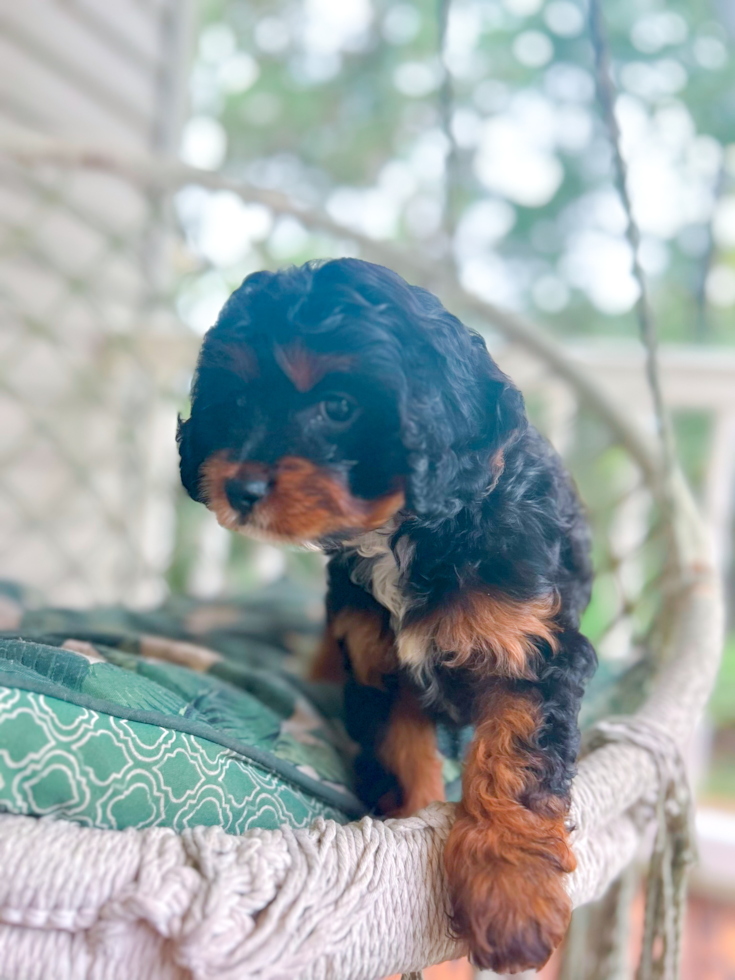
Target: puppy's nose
{"x":244,"y":494}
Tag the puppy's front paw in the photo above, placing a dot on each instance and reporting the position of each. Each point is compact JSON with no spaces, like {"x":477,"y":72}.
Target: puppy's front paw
{"x":513,"y":916}
{"x":509,"y":904}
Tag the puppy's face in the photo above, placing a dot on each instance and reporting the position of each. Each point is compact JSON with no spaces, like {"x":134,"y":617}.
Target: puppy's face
{"x":328,"y":398}
{"x":294,"y":440}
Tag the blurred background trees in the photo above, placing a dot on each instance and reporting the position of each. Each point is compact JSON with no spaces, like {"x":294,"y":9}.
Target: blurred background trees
{"x":420,"y":121}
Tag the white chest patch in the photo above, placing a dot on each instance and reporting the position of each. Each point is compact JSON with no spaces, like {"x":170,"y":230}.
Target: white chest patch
{"x":378,"y":571}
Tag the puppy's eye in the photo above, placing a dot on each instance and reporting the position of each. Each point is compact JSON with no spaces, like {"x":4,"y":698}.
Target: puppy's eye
{"x":338,"y":409}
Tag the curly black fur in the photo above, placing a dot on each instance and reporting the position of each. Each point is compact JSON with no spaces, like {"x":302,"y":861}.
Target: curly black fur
{"x":435,"y":411}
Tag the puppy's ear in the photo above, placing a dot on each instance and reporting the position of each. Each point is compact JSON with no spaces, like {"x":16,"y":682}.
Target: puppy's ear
{"x":455,"y":428}
{"x":505,"y":412}
{"x":189,"y":460}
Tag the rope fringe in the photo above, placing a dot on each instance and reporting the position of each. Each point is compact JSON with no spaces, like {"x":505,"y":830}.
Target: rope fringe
{"x":674,"y":849}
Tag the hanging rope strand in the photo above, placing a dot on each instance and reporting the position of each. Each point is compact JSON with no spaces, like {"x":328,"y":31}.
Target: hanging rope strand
{"x":673,"y":848}
{"x":606,"y":97}
{"x":446,"y":108}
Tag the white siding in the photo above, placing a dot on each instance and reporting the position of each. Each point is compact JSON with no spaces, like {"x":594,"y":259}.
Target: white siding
{"x":85,"y":446}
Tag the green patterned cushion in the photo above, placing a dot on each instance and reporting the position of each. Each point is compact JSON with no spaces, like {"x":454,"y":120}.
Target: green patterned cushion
{"x":116,"y":719}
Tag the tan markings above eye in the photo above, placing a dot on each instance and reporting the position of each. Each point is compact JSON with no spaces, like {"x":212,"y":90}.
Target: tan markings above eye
{"x":305,"y":368}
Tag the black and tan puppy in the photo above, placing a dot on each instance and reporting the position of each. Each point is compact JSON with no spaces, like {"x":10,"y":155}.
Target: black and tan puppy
{"x":337,"y":406}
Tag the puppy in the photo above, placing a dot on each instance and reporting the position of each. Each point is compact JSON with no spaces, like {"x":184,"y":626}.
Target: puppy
{"x":336,"y":406}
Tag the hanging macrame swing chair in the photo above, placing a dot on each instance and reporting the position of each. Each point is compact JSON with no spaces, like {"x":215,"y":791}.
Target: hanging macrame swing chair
{"x":367,"y":900}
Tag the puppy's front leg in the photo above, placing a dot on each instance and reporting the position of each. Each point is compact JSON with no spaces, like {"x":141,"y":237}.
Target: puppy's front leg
{"x":508,"y":850}
{"x":384,"y":715}
{"x":508,"y":853}
{"x":407,"y":748}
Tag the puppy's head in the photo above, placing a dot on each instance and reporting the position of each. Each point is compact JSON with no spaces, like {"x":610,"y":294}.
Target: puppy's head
{"x":329,"y":397}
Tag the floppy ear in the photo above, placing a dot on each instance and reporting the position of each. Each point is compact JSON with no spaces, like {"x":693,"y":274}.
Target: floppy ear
{"x":455,"y":431}
{"x":506,"y":414}
{"x":189,"y":460}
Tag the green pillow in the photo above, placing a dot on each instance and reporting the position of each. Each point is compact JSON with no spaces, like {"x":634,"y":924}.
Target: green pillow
{"x":193,"y":714}
{"x":106,"y":722}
